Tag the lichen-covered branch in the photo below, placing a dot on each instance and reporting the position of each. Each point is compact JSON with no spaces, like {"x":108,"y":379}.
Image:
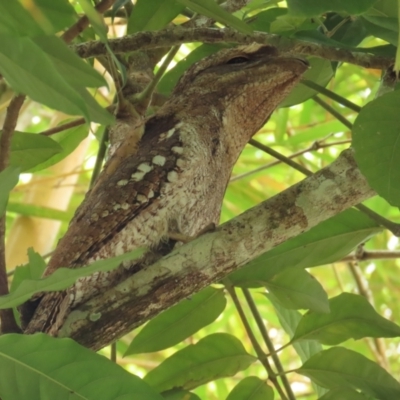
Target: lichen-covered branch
{"x":177,"y":35}
{"x":214,"y":255}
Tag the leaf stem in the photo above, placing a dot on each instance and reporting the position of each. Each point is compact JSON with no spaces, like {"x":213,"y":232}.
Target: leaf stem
{"x":8,"y":322}
{"x":257,"y":348}
{"x":332,"y":95}
{"x":268,"y":342}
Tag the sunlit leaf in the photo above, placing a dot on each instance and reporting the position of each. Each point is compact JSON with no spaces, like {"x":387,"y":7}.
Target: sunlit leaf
{"x":179,"y":322}
{"x":153,"y":15}
{"x":376,"y":135}
{"x":339,"y":367}
{"x":297,"y":289}
{"x":29,"y":150}
{"x":213,"y":357}
{"x":251,"y":388}
{"x":351,"y":316}
{"x":62,"y":369}
{"x":343,"y":394}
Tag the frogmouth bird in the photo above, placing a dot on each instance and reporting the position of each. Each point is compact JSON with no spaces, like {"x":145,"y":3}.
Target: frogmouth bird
{"x":175,"y":181}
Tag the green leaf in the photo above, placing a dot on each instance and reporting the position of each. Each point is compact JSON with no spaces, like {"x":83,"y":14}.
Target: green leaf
{"x":251,"y":388}
{"x":329,"y":241}
{"x":311,"y":8}
{"x":62,"y":278}
{"x":376,"y":141}
{"x":179,"y":322}
{"x":62,"y":369}
{"x":320,"y":72}
{"x":16,"y":21}
{"x":211,"y":9}
{"x":74,"y":70}
{"x":213,"y":357}
{"x":154,"y":15}
{"x":339,"y":367}
{"x":59,"y":14}
{"x":351,"y":316}
{"x":29,"y":150}
{"x":343,"y":394}
{"x":33,"y":270}
{"x":32,"y":210}
{"x":177,"y":394}
{"x":374,"y":27}
{"x":39,"y":78}
{"x":8,"y":179}
{"x":296,"y":289}
{"x":69,"y":140}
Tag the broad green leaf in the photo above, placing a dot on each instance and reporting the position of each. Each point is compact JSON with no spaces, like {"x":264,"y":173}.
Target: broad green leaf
{"x":61,"y":279}
{"x":29,"y":150}
{"x":15,"y":20}
{"x":351,"y":316}
{"x":74,"y":70}
{"x":179,"y":322}
{"x":343,"y":394}
{"x":376,"y":135}
{"x":32,"y":210}
{"x":312,"y":8}
{"x":33,"y":270}
{"x":177,"y":394}
{"x":39,"y":78}
{"x":213,"y":357}
{"x":296,"y":289}
{"x":327,"y":242}
{"x":375,"y":28}
{"x":211,"y":9}
{"x":262,"y":21}
{"x":8,"y":179}
{"x":289,"y":319}
{"x":320,"y":72}
{"x":153,"y":15}
{"x":69,"y":140}
{"x":62,"y":369}
{"x":251,"y":388}
{"x":339,"y":367}
{"x":59,"y":14}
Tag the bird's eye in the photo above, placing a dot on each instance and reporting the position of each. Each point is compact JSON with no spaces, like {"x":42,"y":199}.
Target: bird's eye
{"x":238,"y":60}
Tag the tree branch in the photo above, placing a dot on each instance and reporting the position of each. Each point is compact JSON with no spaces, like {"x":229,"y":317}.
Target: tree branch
{"x":178,"y":35}
{"x":8,"y":323}
{"x":214,"y":255}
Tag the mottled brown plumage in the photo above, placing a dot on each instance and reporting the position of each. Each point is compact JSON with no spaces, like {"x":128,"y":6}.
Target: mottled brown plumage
{"x":176,"y":180}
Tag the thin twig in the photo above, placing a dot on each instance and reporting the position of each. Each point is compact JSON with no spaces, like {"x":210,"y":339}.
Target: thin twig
{"x":268,"y":342}
{"x":8,"y":322}
{"x":315,"y":146}
{"x":257,"y":348}
{"x":332,"y":95}
{"x":63,"y":127}
{"x":332,"y":111}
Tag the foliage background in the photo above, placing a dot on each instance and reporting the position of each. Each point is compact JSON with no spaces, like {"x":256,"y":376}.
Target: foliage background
{"x":54,"y":193}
